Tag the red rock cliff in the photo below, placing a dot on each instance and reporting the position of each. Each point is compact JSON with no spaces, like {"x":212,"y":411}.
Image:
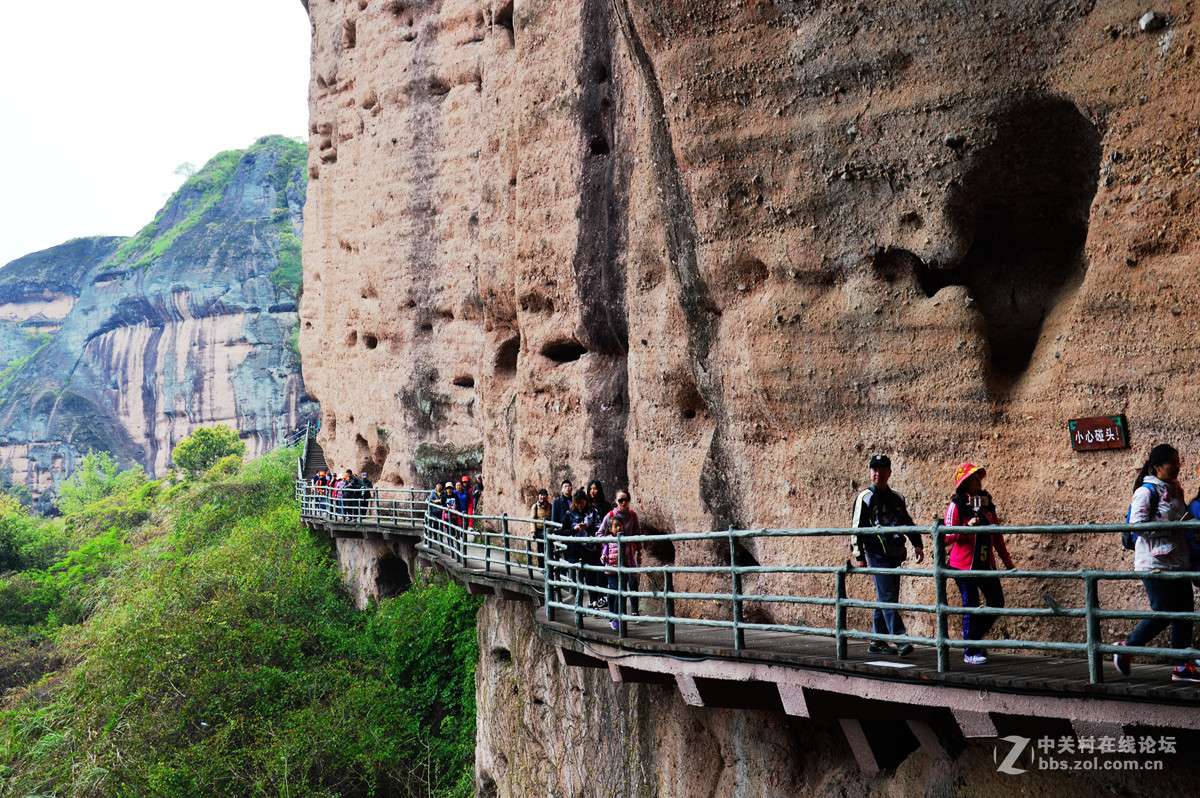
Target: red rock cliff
{"x":722,"y":252}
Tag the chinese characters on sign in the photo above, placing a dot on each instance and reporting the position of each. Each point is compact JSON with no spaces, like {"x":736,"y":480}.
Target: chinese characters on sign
{"x":1100,"y":432}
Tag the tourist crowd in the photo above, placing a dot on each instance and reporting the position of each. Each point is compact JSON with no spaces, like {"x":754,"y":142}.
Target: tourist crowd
{"x":599,"y":565}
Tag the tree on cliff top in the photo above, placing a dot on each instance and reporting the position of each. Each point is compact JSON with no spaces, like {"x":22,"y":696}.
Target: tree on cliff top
{"x":201,"y":450}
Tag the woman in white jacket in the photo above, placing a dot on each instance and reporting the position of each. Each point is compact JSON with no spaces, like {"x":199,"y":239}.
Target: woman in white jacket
{"x":1157,"y":496}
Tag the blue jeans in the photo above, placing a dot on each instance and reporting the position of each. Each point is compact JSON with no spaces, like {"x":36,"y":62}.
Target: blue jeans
{"x":887,"y":588}
{"x":1166,"y":595}
{"x":631,"y":583}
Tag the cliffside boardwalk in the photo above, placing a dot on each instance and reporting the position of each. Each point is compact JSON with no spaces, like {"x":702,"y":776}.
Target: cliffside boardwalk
{"x":720,"y":648}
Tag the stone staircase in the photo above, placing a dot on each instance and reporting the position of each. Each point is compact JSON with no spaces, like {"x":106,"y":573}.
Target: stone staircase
{"x":315,"y":461}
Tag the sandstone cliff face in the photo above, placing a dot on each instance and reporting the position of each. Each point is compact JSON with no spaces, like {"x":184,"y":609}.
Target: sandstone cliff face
{"x":127,"y":345}
{"x":723,"y":252}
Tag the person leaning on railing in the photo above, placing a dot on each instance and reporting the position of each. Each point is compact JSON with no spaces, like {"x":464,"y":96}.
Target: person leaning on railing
{"x":972,"y":506}
{"x":1158,"y":496}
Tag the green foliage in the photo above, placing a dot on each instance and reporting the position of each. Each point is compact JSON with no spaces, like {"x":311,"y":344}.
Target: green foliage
{"x":221,"y":656}
{"x":288,"y":275}
{"x":37,"y":337}
{"x":14,"y":367}
{"x":15,"y":490}
{"x":202,"y":449}
{"x":200,"y":193}
{"x":97,"y":477}
{"x":26,"y":541}
{"x":293,"y":343}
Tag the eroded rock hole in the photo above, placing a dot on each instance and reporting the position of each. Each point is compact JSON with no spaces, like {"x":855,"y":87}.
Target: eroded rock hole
{"x":690,"y":402}
{"x":741,"y":554}
{"x":371,"y":341}
{"x":465,"y":381}
{"x":504,"y":17}
{"x":564,"y":351}
{"x":598,"y":146}
{"x":506,"y":356}
{"x":660,"y":551}
{"x":1024,"y":206}
{"x":600,"y":72}
{"x":349,"y":33}
{"x":391,"y":577}
{"x":352,"y":338}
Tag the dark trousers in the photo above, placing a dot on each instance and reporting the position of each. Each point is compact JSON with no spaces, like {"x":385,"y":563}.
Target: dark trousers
{"x":630,"y":582}
{"x":887,"y":588}
{"x":1166,"y":595}
{"x":976,"y":627}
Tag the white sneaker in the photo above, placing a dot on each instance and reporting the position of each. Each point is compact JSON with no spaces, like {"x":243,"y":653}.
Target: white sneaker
{"x":975,"y":659}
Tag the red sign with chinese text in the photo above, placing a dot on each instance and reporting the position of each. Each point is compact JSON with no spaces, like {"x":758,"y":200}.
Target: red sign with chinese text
{"x":1099,"y":432}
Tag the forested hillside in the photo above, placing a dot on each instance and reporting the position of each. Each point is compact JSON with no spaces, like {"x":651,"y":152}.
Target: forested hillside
{"x":194,"y":639}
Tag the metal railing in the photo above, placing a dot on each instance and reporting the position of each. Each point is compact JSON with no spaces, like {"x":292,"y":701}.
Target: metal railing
{"x":384,"y":508}
{"x":305,"y":433}
{"x":494,"y":544}
{"x":685,"y":596}
{"x":666,"y":587}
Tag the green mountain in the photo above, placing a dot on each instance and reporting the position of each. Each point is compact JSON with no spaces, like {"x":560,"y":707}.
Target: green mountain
{"x":126,"y":345}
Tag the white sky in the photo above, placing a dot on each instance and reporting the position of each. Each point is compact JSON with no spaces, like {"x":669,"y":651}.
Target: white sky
{"x":100,"y":102}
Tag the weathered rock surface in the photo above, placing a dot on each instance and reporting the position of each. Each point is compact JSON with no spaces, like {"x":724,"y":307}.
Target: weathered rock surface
{"x":723,"y":252}
{"x":126,"y":345}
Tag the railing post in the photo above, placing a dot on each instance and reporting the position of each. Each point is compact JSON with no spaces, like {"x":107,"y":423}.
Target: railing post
{"x":1091,"y":604}
{"x":939,"y":588}
{"x":668,"y":605}
{"x":547,"y":578}
{"x":577,"y":578}
{"x":529,"y":555}
{"x":503,"y":537}
{"x":839,"y":613}
{"x":620,"y":587}
{"x":507,"y":546}
{"x":739,"y":634}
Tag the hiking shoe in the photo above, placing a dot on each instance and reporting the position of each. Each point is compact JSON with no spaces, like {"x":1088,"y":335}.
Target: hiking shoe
{"x":905,"y":650}
{"x":613,"y":624}
{"x":1123,"y":662}
{"x":975,"y":659}
{"x":602,"y":603}
{"x":1185,"y":673}
{"x":881,"y":648}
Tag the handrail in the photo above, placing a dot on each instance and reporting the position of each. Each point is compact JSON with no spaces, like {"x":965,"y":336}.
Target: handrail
{"x":533,"y":551}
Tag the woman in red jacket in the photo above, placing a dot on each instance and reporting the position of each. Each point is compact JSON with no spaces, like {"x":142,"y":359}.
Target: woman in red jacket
{"x":972,"y":506}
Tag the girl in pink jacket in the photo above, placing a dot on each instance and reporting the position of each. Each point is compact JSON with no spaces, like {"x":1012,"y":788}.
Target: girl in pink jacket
{"x":972,"y":506}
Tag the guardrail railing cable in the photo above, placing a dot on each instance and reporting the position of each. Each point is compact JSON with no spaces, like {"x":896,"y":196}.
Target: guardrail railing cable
{"x":535,"y":552}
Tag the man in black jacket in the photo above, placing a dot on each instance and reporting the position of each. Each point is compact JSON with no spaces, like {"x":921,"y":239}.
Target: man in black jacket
{"x":880,"y":506}
{"x":562,"y":503}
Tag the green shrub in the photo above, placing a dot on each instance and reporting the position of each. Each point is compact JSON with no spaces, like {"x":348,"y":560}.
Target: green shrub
{"x":219,"y":654}
{"x":202,"y":449}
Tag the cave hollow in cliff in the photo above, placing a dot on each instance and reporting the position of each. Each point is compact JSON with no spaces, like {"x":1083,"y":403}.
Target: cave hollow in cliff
{"x":1024,"y":204}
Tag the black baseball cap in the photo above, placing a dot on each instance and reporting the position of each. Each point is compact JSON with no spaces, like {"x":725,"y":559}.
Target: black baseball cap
{"x":880,"y":461}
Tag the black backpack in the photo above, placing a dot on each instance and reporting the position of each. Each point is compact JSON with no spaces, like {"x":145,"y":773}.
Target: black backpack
{"x":1128,"y":539}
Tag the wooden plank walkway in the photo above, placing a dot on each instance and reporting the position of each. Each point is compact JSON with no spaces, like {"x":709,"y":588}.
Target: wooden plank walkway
{"x":1005,"y":672}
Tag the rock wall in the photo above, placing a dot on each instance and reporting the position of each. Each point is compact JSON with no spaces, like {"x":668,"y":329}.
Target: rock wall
{"x":127,"y":345}
{"x":546,"y":729}
{"x":721,"y":253}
